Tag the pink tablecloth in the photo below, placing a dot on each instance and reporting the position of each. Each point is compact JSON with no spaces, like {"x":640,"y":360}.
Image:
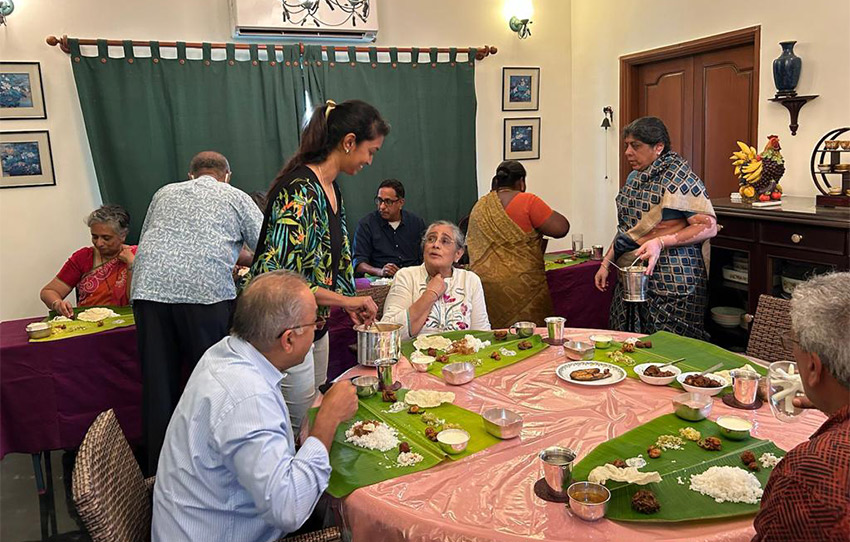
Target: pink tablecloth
{"x":489,"y":496}
{"x":51,"y":392}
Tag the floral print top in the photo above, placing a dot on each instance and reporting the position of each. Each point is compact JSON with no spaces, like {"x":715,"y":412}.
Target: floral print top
{"x":296,"y":236}
{"x":461,"y":307}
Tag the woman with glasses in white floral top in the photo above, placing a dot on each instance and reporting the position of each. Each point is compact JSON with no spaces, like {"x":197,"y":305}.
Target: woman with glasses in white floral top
{"x":436,"y":296}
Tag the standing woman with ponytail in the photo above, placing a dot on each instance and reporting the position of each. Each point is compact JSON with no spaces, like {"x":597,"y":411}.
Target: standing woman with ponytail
{"x":304,"y":229}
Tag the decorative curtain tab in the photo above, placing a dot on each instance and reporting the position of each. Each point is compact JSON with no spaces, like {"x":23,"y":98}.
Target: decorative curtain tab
{"x":102,"y":50}
{"x":313,"y":54}
{"x":432,"y":53}
{"x":414,"y":56}
{"x":352,"y":55}
{"x":230,"y":53}
{"x":373,"y":57}
{"x":206,"y":51}
{"x":129,"y":54}
{"x":155,"y":53}
{"x":453,"y":55}
{"x":272,"y":55}
{"x":181,"y":52}
{"x":473,"y":52}
{"x":255,"y":57}
{"x":394,"y":56}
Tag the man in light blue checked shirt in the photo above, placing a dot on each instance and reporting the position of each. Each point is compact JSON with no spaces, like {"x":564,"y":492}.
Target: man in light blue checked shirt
{"x":228,"y":468}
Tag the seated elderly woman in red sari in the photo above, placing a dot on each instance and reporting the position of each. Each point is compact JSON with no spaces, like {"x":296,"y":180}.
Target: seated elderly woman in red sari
{"x":100,"y":273}
{"x":436,"y":296}
{"x":664,"y":217}
{"x":504,"y":239}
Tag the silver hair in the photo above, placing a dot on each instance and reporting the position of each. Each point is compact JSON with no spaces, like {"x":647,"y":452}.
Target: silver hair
{"x":820,"y":318}
{"x":460,"y":239}
{"x":116,"y":216}
{"x":268,"y":306}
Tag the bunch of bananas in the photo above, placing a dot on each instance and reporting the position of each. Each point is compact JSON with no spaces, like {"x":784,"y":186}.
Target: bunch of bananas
{"x":747,"y":162}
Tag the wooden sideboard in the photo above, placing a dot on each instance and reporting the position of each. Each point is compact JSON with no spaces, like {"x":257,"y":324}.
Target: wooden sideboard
{"x":793,"y":241}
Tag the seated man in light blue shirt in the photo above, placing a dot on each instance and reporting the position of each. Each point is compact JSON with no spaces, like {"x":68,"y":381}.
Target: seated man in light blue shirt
{"x":228,"y":468}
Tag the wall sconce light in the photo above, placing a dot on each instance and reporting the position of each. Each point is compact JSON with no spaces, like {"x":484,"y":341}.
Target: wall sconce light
{"x":608,"y":111}
{"x":519,"y":13}
{"x":6,"y":9}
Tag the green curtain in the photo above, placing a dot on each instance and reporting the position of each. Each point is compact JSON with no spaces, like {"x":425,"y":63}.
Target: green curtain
{"x":431,"y":108}
{"x":147,"y":116}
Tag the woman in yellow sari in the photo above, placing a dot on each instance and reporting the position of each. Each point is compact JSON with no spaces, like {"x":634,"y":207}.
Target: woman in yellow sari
{"x":504,"y":242}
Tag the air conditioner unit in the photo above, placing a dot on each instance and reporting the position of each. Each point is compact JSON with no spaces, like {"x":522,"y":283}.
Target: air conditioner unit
{"x":305,"y":20}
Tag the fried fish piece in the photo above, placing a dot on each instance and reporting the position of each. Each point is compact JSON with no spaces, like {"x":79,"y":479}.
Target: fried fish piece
{"x":645,"y":502}
{"x":496,"y":356}
{"x":500,"y":334}
{"x":711,"y":444}
{"x":587,"y":375}
{"x":525,"y":345}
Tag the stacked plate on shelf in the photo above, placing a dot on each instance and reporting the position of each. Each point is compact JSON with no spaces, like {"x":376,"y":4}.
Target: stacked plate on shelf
{"x":727,"y":316}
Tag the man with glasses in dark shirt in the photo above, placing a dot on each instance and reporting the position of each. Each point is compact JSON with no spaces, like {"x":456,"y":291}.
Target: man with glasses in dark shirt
{"x":389,"y":238}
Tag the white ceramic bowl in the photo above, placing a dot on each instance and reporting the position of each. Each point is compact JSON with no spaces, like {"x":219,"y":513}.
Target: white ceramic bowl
{"x":705,"y":391}
{"x":657,"y":380}
{"x":601,"y":341}
{"x":727,"y":316}
{"x":788,"y":284}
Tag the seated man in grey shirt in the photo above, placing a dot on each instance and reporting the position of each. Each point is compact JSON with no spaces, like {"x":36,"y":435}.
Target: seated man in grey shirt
{"x":229,"y":469}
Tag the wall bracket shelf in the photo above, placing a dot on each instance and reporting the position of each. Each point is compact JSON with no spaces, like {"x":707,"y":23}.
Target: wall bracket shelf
{"x":793,"y":104}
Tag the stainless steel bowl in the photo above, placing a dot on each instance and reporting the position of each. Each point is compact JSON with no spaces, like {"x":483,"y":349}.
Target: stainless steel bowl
{"x":39,"y":330}
{"x":588,"y":501}
{"x":692,"y":406}
{"x":733,"y":434}
{"x":365,"y":386}
{"x":578,"y":350}
{"x":459,"y":373}
{"x":421,"y":366}
{"x":502,"y":423}
{"x":378,"y":344}
{"x":452,"y":447}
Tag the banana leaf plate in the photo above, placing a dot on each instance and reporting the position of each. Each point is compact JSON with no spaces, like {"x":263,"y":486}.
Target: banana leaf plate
{"x":483,"y":362}
{"x":355,"y":467}
{"x":666,"y":347}
{"x":78,"y":328}
{"x":678,"y":502}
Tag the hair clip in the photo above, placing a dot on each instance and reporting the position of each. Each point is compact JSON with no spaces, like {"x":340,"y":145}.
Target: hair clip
{"x":329,"y":106}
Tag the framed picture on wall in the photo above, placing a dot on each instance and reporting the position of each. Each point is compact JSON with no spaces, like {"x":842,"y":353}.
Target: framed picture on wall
{"x":522,"y":139}
{"x":21,"y":93}
{"x":520,"y":89}
{"x":26,"y":159}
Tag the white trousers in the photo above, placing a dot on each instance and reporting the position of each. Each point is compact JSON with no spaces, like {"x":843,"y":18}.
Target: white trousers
{"x":300,"y":383}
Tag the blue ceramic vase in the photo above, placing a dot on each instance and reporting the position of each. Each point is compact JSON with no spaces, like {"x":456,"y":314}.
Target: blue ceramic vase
{"x":786,"y":70}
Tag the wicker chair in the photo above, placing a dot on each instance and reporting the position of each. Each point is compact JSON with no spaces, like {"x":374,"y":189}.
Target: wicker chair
{"x":378,"y":295}
{"x":111,"y":495}
{"x":772,"y":320}
{"x":330,"y":534}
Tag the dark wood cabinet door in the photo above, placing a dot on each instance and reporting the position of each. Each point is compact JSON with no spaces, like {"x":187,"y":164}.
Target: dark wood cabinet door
{"x":665,"y":90}
{"x":706,"y":92}
{"x":724,"y":101}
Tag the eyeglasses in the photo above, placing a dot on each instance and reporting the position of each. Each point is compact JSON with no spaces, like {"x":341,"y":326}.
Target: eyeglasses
{"x":319,"y":325}
{"x":387,"y":202}
{"x":788,"y":341}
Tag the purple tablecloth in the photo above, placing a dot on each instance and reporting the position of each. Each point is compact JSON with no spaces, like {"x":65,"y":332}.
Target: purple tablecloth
{"x":51,"y":392}
{"x":573,"y":296}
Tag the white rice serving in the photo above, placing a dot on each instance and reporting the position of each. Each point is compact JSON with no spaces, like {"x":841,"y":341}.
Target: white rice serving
{"x":424,"y":342}
{"x":380,"y":436}
{"x":732,"y":484}
{"x":505,"y":352}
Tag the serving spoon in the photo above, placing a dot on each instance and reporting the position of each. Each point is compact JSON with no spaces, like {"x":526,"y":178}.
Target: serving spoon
{"x":713,"y":367}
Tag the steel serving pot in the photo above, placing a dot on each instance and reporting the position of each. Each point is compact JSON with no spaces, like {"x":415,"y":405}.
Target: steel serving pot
{"x":378,"y":344}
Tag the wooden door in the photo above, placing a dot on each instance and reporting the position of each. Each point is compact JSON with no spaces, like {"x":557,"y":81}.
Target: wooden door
{"x":706,"y":92}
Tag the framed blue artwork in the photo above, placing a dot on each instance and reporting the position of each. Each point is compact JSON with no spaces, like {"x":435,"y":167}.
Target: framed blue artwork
{"x":522,"y":139}
{"x":520,"y":89}
{"x":21,"y":92}
{"x":26,"y":159}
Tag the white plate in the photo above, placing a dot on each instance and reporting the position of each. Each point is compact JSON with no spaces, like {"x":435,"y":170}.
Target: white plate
{"x":563,"y":371}
{"x":705,"y":391}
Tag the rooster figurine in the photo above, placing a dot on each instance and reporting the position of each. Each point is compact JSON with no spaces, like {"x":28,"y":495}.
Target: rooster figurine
{"x":759,"y":174}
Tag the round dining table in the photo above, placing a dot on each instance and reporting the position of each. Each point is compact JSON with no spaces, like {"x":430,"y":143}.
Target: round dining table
{"x":490,"y":495}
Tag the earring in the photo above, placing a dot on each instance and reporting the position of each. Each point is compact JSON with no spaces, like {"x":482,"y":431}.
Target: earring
{"x":347,"y":150}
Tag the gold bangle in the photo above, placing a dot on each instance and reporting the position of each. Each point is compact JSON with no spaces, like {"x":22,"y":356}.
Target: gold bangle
{"x":436,"y":295}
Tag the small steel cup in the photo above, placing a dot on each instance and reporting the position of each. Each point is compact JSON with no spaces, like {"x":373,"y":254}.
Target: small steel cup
{"x":523,"y":330}
{"x":597,"y":253}
{"x":558,"y":468}
{"x":385,"y":374}
{"x":579,"y":500}
{"x":745,"y":386}
{"x":555,"y":327}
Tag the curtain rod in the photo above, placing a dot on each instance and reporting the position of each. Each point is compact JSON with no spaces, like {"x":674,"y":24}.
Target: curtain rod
{"x":480,"y":53}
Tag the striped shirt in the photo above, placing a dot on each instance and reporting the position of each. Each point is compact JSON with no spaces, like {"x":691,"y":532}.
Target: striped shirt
{"x":228,"y":469}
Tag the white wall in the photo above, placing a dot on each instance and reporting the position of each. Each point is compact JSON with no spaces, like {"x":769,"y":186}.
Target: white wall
{"x":604,"y":31}
{"x":41,"y":227}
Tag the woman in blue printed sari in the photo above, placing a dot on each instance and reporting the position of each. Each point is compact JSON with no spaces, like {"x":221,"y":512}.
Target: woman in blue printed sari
{"x":664,"y":217}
